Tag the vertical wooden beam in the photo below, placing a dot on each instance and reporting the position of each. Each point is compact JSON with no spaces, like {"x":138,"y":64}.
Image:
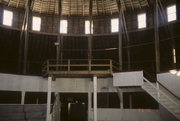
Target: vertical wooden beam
{"x":156,"y":34}
{"x":59,"y":42}
{"x":120,"y":35}
{"x":26,"y":35}
{"x":128,"y":40}
{"x":90,"y":35}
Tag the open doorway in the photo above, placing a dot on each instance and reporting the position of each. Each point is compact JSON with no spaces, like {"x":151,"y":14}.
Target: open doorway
{"x":74,"y":106}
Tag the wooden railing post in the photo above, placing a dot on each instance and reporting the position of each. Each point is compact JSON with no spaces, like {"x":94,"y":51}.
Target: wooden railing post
{"x":69,"y":65}
{"x":89,"y":63}
{"x":47,"y":66}
{"x":111,"y":66}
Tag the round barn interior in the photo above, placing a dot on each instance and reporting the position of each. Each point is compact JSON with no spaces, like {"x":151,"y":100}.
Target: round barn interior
{"x":134,"y":47}
{"x":67,"y":36}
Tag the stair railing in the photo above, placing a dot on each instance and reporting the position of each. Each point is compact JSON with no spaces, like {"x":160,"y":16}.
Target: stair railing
{"x":159,"y":91}
{"x":159,"y":84}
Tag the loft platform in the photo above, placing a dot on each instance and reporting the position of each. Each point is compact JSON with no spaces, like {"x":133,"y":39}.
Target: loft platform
{"x":79,"y":68}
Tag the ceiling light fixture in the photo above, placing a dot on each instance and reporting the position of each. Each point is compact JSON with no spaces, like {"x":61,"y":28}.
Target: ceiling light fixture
{"x":111,"y":48}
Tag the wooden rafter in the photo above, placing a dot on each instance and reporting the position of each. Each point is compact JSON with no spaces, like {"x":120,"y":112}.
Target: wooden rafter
{"x":147,"y":3}
{"x":70,"y":8}
{"x":132,"y":4}
{"x":41,"y":6}
{"x":49,"y":4}
{"x":74,"y":7}
{"x":83,"y":6}
{"x":97,"y":9}
{"x":108,"y":4}
{"x":17,"y":5}
{"x":139,"y":3}
{"x":123,"y":3}
{"x":9,"y":2}
{"x":103,"y":6}
{"x":77,"y":8}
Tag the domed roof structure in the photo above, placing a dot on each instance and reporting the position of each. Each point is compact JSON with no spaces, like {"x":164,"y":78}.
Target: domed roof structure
{"x":78,"y":7}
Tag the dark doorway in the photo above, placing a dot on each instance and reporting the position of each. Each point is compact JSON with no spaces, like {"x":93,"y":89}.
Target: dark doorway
{"x":74,"y":106}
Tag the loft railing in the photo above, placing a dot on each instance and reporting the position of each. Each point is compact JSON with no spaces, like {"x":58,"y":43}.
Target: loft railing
{"x":80,"y":65}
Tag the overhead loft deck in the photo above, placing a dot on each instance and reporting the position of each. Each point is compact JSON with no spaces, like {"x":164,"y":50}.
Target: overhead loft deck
{"x":79,"y":68}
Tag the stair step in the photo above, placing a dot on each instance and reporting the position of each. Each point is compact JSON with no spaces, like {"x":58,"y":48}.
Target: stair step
{"x":173,"y":106}
{"x":177,"y":111}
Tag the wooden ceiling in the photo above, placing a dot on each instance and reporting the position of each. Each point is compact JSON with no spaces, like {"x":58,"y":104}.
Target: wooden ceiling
{"x":78,"y":7}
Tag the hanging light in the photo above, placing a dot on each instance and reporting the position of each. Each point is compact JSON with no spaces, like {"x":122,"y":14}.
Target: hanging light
{"x":110,"y":48}
{"x":173,"y":71}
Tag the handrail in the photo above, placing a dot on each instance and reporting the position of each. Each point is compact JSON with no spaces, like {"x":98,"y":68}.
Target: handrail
{"x":154,"y":79}
{"x":160,"y":91}
{"x":169,"y":90}
{"x":86,"y":66}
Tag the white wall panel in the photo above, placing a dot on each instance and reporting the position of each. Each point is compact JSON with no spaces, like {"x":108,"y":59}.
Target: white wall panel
{"x":170,"y":81}
{"x":128,"y":78}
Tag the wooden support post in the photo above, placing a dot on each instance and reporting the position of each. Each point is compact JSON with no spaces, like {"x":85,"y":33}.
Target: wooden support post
{"x":69,"y":65}
{"x":90,"y":35}
{"x":25,"y":29}
{"x":89,"y":64}
{"x":89,"y":104}
{"x":48,"y":116}
{"x":156,"y":34}
{"x":111,"y":66}
{"x":23,"y":93}
{"x":95,"y":97}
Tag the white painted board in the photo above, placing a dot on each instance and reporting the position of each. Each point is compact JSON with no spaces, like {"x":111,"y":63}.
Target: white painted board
{"x":134,"y":78}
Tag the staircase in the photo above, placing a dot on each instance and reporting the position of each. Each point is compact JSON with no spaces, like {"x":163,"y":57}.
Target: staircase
{"x":35,"y":112}
{"x":163,"y":96}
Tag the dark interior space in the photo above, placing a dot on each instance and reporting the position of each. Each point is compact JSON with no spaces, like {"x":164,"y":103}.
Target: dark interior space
{"x":38,"y":98}
{"x":10,"y":97}
{"x":74,"y":106}
{"x":139,"y":100}
{"x":107,"y":100}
